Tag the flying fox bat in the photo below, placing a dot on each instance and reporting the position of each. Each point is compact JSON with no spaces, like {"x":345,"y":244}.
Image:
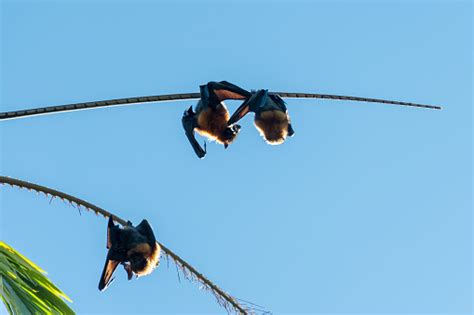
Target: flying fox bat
{"x":133,"y":247}
{"x":210,"y":118}
{"x":271,"y":116}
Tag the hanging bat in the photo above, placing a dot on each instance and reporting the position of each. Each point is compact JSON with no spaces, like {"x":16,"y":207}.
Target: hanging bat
{"x":210,"y":118}
{"x":133,"y":247}
{"x":271,"y":116}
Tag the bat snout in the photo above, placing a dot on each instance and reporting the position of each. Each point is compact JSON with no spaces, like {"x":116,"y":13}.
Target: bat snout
{"x":129,"y":270}
{"x":236,"y":128}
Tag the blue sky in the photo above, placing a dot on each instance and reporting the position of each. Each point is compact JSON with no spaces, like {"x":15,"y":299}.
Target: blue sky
{"x":366,"y":210}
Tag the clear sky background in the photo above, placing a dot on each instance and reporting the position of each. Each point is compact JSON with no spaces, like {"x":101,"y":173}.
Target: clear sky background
{"x":366,"y":210}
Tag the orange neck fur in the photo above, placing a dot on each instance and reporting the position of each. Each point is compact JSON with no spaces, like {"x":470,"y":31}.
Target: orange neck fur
{"x":213,"y":122}
{"x":153,"y":260}
{"x":273,"y":126}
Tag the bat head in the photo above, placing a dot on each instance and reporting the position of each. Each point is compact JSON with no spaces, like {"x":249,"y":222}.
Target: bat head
{"x":138,"y":263}
{"x":229,"y":134}
{"x":143,"y":264}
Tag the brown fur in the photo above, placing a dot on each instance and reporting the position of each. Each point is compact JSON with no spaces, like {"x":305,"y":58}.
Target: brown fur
{"x":273,"y":126}
{"x":143,"y":248}
{"x":212,"y":123}
{"x":153,"y":258}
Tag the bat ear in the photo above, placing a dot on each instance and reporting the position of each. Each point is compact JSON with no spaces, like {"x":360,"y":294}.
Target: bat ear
{"x":129,"y":271}
{"x":226,"y":145}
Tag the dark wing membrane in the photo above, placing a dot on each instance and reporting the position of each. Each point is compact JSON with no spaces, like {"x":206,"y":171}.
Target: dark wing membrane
{"x":110,"y":232}
{"x":189,"y":123}
{"x":200,"y":152}
{"x":106,"y":277}
{"x":227,"y":91}
{"x":222,"y":95}
{"x":144,"y":228}
{"x":278,"y":101}
{"x":291,"y":131}
{"x":252,"y":104}
{"x":240,"y":112}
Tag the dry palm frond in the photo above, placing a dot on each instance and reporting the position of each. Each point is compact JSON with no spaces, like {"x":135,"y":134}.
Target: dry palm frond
{"x":187,"y":96}
{"x":229,"y":303}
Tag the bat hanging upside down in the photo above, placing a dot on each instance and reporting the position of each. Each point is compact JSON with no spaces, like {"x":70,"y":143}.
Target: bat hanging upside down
{"x":271,"y":116}
{"x":133,"y":247}
{"x":211,"y":116}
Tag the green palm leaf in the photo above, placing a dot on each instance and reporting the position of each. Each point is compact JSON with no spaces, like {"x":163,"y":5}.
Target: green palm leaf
{"x":25,"y":288}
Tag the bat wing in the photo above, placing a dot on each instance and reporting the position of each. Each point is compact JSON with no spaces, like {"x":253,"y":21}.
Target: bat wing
{"x":144,"y":228}
{"x":281,"y":105}
{"x":109,"y":269}
{"x":111,"y":235}
{"x":279,"y":102}
{"x":252,"y":104}
{"x":189,"y":123}
{"x":224,"y":90}
{"x":291,"y":131}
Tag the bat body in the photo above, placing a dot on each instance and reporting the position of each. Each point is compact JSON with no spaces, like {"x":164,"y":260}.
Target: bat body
{"x":271,"y":116}
{"x":210,"y":118}
{"x":133,"y":247}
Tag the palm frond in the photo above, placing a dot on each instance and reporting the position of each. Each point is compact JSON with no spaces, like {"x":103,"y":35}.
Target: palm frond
{"x":187,"y":96}
{"x":24,"y":287}
{"x":229,"y":303}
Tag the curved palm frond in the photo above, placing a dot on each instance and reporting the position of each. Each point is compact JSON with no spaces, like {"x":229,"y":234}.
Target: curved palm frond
{"x":185,"y":96}
{"x":24,"y":287}
{"x":229,"y":303}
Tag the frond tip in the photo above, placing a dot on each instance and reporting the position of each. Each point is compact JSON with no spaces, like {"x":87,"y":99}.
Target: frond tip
{"x":25,"y":287}
{"x":229,"y":303}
